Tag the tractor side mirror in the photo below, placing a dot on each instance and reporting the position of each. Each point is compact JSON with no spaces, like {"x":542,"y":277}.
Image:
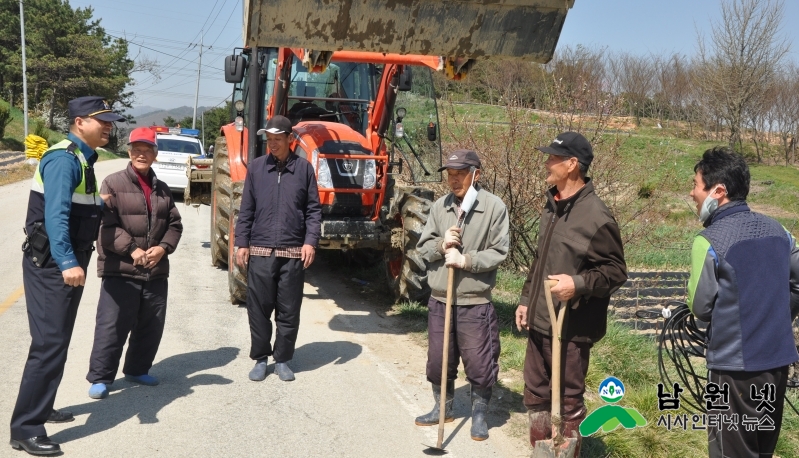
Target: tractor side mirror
{"x":405,"y":79}
{"x":234,"y":69}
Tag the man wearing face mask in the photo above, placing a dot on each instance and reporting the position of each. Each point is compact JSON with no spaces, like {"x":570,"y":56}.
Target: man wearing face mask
{"x":475,"y":249}
{"x":579,"y":245}
{"x":745,"y":283}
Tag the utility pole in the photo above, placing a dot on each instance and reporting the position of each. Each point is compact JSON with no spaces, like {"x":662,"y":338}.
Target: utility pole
{"x":202,"y":116}
{"x":197,"y":92}
{"x":24,"y":70}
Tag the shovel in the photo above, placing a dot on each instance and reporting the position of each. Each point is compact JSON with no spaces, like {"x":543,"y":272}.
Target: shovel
{"x":558,"y":446}
{"x":442,"y":415}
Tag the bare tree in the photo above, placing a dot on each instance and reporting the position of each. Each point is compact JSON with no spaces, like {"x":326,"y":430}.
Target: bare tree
{"x":786,"y":110}
{"x":741,"y":61}
{"x":635,"y":79}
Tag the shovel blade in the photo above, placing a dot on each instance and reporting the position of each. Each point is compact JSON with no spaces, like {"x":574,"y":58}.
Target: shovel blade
{"x":547,"y":449}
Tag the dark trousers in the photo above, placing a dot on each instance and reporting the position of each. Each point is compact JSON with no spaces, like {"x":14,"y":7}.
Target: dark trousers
{"x":127,"y":306}
{"x":538,"y":374}
{"x":473,"y":337}
{"x":740,"y":443}
{"x":274,"y":284}
{"x":52,"y":308}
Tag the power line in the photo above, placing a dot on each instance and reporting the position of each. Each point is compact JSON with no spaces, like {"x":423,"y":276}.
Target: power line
{"x":151,"y":49}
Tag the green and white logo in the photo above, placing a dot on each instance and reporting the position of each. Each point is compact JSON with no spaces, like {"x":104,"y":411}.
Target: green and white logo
{"x":611,"y":390}
{"x":609,"y":417}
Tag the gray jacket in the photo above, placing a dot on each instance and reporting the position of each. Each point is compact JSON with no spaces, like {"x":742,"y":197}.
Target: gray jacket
{"x":485,"y":243}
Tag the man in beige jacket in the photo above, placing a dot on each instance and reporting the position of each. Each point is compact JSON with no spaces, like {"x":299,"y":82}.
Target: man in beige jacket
{"x":475,"y":250}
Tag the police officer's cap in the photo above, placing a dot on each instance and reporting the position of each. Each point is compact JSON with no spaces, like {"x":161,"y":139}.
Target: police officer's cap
{"x":93,"y":106}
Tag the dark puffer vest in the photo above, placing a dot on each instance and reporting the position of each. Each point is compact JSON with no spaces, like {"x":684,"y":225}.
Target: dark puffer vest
{"x":127,"y":225}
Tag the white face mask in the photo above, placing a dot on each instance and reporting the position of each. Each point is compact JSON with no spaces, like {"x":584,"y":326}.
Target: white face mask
{"x":469,"y":198}
{"x":709,"y":205}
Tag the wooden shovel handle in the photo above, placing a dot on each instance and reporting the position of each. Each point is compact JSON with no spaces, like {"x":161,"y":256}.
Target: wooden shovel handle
{"x":556,"y":320}
{"x":442,"y":414}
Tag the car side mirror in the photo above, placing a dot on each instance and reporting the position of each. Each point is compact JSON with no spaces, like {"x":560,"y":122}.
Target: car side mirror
{"x":234,"y":69}
{"x":405,"y":79}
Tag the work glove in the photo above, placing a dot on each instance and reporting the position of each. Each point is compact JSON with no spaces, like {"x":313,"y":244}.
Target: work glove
{"x":452,"y":238}
{"x":454,"y":258}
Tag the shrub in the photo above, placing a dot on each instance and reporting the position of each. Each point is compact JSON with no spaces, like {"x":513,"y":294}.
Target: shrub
{"x":5,"y":120}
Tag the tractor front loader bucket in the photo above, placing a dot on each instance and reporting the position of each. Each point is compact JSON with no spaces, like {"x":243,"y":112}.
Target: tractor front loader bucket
{"x":470,"y":29}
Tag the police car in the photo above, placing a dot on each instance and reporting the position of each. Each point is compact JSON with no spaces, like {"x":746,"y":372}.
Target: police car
{"x":175,"y":147}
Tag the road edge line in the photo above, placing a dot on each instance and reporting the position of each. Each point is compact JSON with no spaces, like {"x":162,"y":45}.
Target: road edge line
{"x":11,"y":300}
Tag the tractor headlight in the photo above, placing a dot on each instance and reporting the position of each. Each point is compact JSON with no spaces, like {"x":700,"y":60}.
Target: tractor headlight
{"x":239,"y":122}
{"x":323,"y":178}
{"x":369,"y":174}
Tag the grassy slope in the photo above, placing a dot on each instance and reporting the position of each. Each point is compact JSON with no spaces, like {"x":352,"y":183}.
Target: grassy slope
{"x":15,"y":136}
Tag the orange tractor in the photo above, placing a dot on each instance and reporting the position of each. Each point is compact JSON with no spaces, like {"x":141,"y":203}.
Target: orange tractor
{"x":362,"y":113}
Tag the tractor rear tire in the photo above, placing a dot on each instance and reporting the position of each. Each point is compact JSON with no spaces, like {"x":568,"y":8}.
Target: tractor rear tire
{"x":225,"y":204}
{"x":406,"y":270}
{"x":221,"y":207}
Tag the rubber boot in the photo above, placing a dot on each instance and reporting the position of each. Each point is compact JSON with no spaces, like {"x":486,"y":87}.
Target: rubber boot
{"x":540,"y":425}
{"x":431,"y":418}
{"x":480,"y":399}
{"x":574,"y":414}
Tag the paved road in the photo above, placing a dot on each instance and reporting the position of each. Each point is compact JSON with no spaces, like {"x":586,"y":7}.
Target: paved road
{"x":359,"y":383}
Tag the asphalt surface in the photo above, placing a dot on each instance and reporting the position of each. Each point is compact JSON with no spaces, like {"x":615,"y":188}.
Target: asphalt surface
{"x":360,"y":381}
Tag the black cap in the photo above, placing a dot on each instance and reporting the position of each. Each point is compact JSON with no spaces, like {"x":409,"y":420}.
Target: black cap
{"x":277,"y":125}
{"x":461,"y":159}
{"x":93,"y":106}
{"x":571,"y":144}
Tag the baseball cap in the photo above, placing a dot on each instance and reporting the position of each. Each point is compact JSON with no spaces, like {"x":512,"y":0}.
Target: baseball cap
{"x":461,"y":159}
{"x":570,"y":144}
{"x":143,"y":135}
{"x":277,"y":125}
{"x":93,"y":106}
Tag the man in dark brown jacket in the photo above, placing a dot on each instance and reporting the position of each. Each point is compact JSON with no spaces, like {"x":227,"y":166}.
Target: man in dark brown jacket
{"x":579,"y":245}
{"x":141,"y":227}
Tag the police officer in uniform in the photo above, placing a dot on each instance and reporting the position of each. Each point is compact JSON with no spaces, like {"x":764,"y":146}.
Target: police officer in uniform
{"x":64,"y":211}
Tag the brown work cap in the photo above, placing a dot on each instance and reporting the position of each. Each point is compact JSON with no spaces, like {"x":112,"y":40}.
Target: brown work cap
{"x":277,"y":125}
{"x":570,"y":144}
{"x":461,"y":159}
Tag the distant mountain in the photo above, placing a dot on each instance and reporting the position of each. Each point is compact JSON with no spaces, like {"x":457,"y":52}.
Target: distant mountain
{"x":157,"y":117}
{"x":142,"y":110}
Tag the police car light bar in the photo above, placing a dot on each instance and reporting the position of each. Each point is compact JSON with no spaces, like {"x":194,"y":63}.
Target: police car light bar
{"x":176,"y":131}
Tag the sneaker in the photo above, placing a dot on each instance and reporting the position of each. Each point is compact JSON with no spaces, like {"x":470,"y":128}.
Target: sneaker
{"x":145,"y":379}
{"x":258,"y":372}
{"x":98,"y":391}
{"x":282,"y":370}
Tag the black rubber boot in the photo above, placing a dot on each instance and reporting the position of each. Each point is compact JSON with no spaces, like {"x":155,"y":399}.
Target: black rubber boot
{"x":480,"y":399}
{"x":431,"y":418}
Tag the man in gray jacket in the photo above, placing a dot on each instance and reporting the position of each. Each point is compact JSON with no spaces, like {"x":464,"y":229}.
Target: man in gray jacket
{"x":474,"y":335}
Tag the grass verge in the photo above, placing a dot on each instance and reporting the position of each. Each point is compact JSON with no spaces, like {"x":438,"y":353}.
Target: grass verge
{"x":16,"y":173}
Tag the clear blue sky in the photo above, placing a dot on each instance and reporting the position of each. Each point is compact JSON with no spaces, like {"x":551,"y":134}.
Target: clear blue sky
{"x":173,"y":28}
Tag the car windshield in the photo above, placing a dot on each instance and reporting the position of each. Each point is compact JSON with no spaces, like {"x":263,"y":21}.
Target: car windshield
{"x":178,"y":146}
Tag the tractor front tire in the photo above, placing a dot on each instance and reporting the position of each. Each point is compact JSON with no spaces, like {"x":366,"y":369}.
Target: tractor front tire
{"x":406,"y":271}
